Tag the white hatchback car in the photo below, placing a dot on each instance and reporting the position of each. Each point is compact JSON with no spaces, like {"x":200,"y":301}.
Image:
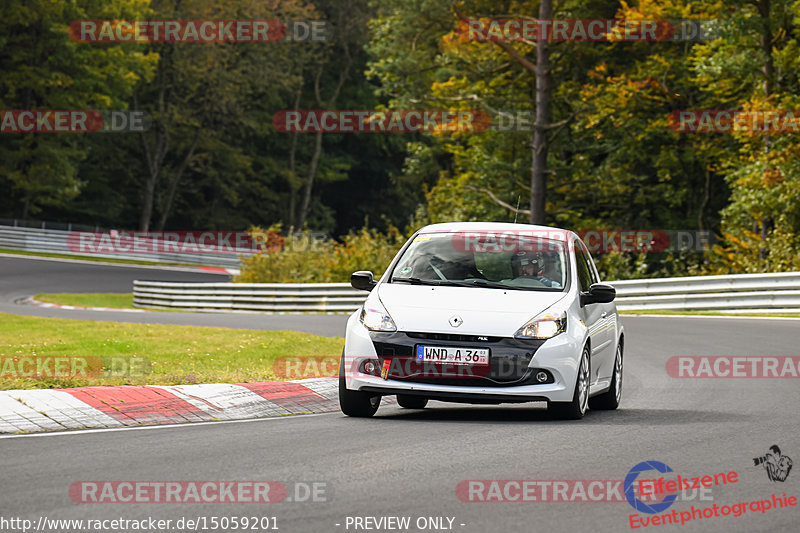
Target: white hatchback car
{"x":485,"y":313}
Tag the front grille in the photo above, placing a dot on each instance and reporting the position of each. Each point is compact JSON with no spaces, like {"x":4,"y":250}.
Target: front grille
{"x":509,"y":358}
{"x":452,"y":337}
{"x":526,"y":379}
{"x":502,"y":371}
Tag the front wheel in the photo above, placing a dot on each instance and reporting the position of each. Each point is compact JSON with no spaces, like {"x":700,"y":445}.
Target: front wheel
{"x":575,"y":409}
{"x":411,"y":402}
{"x":353,"y":402}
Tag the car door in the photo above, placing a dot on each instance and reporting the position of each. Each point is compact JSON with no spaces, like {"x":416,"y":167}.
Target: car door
{"x":610,"y":330}
{"x":598,"y":317}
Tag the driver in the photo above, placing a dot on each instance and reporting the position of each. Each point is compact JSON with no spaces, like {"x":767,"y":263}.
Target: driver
{"x":531,"y":265}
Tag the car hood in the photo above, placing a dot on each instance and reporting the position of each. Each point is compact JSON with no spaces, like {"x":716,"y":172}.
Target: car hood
{"x":484,"y":311}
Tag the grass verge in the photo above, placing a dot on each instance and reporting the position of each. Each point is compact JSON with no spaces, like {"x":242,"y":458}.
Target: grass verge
{"x":118,"y":301}
{"x":139,"y":354}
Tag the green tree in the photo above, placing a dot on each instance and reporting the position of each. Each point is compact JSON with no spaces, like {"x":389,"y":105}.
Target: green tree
{"x":202,"y":97}
{"x":44,"y":69}
{"x":753,"y":66}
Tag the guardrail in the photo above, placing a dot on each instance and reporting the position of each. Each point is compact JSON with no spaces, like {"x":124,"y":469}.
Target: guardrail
{"x":55,"y":241}
{"x":249,"y":297}
{"x":751,"y":292}
{"x":745,"y":292}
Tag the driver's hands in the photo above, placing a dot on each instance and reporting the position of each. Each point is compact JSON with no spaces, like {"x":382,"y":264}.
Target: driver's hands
{"x":549,"y":282}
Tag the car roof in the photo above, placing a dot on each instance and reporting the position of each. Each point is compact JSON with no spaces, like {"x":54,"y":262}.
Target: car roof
{"x":552,"y":233}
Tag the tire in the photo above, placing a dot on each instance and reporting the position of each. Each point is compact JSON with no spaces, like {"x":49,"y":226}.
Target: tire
{"x":609,"y":400}
{"x":575,"y":409}
{"x":353,"y":402}
{"x":411,"y":402}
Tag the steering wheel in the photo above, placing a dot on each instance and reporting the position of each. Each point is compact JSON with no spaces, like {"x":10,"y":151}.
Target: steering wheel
{"x":530,"y":281}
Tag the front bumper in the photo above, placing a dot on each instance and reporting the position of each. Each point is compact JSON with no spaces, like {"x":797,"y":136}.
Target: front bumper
{"x":509,"y":360}
{"x":514,"y":364}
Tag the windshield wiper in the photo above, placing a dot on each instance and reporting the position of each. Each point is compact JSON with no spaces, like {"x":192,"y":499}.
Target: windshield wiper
{"x":436,"y":282}
{"x":482,"y":283}
{"x":494,"y":285}
{"x":415,"y":281}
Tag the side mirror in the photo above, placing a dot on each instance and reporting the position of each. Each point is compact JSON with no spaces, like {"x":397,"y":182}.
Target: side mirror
{"x":362,"y":280}
{"x":599,"y":293}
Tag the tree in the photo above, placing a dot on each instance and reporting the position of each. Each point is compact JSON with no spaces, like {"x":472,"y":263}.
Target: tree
{"x":204,"y":94}
{"x":439,"y":64}
{"x":43,"y":69}
{"x":753,"y":66}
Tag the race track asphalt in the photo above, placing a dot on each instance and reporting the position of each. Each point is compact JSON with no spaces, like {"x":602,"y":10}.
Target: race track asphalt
{"x":409,"y":463}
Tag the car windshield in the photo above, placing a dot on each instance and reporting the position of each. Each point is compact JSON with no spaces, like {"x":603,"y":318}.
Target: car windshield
{"x":489,"y":260}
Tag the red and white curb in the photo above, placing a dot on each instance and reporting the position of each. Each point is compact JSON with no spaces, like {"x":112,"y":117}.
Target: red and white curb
{"x":220,"y":270}
{"x":31,"y":301}
{"x":31,"y":411}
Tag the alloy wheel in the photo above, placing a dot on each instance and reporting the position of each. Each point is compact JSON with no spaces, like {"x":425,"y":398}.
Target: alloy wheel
{"x":583,"y":382}
{"x":618,"y":373}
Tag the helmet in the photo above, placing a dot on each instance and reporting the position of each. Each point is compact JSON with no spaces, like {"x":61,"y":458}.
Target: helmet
{"x":523,"y":259}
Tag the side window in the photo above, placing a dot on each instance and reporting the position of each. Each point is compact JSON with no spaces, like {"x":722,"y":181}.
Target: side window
{"x":590,"y":263}
{"x":584,"y":270}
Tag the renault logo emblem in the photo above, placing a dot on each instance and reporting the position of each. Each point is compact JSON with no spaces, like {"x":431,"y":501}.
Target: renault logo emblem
{"x":456,"y":321}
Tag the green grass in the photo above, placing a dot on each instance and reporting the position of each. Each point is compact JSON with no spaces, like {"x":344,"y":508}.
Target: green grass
{"x":159,"y":354}
{"x":702,"y":313}
{"x":92,"y":258}
{"x":120,"y":301}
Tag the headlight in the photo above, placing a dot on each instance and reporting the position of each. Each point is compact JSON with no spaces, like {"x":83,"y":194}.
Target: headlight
{"x":544,"y":326}
{"x":375,"y":317}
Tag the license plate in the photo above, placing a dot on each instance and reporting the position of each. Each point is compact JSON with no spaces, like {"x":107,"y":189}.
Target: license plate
{"x":453,"y":355}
